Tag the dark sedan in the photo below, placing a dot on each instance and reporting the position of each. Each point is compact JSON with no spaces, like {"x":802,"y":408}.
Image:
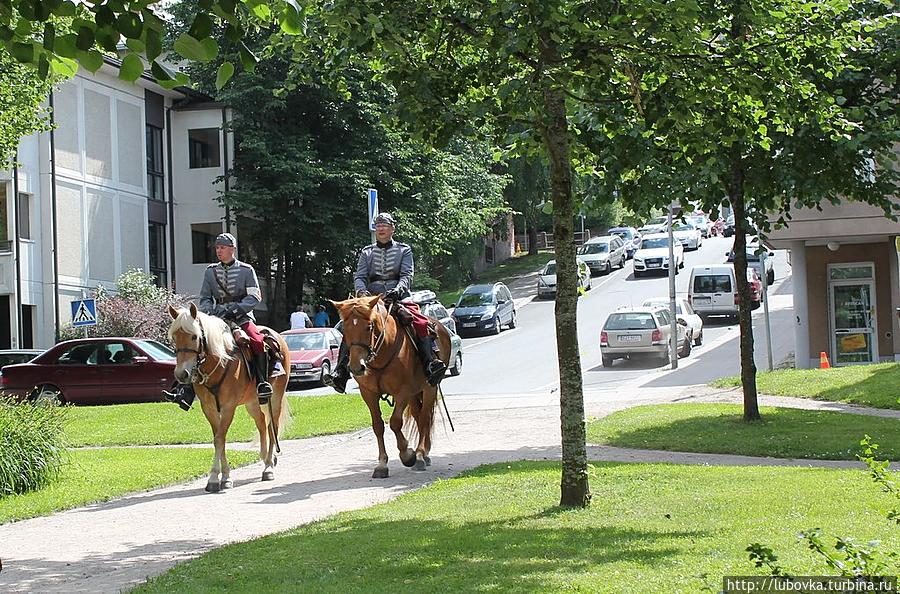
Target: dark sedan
{"x":95,"y":371}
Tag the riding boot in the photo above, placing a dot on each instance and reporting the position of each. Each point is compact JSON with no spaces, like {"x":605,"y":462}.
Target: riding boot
{"x":261,"y":367}
{"x":183,"y":396}
{"x":338,"y":378}
{"x":434,"y":367}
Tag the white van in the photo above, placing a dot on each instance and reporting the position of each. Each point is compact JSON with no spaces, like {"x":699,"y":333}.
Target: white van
{"x":713,"y":291}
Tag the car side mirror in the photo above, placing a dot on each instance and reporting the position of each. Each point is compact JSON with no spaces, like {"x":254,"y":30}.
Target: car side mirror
{"x":332,"y":347}
{"x":682,"y":321}
{"x":140,"y":360}
{"x":771,"y":253}
{"x":501,"y":301}
{"x":452,"y":306}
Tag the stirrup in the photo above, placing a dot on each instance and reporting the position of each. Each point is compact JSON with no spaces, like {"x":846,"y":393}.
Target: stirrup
{"x":336,"y":382}
{"x":263,"y":392}
{"x":178,"y":397}
{"x":435,"y":371}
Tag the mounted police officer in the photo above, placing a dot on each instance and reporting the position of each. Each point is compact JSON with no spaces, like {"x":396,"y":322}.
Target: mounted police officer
{"x":386,"y":267}
{"x":230,"y":291}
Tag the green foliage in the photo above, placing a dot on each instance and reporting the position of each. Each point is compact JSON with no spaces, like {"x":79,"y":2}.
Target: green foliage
{"x":32,"y":445}
{"x":22,"y":112}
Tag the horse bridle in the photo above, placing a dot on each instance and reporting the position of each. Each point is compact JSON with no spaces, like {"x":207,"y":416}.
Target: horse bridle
{"x":198,"y":376}
{"x":375,"y":342}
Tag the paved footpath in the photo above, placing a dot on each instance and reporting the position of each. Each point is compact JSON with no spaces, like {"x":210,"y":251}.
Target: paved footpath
{"x":111,"y":546}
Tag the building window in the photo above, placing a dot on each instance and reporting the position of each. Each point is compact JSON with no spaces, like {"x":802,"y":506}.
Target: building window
{"x":158,"y":254}
{"x":203,"y":147}
{"x":5,"y":243}
{"x":203,"y":241}
{"x":24,"y":216}
{"x":155,"y":171}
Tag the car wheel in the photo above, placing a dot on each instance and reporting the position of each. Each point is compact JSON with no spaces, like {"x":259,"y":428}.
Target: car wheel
{"x":622,"y":261}
{"x":326,"y":370}
{"x":512,"y":321}
{"x":608,"y":267}
{"x":770,"y":278}
{"x":686,"y":347}
{"x":681,"y":264}
{"x":47,"y":394}
{"x":497,"y":325}
{"x":638,"y":274}
{"x":607,"y":361}
{"x":699,"y":340}
{"x":590,"y":284}
{"x":456,"y":369}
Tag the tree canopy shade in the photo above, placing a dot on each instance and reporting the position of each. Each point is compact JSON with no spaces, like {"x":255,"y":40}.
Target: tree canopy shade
{"x":22,"y":109}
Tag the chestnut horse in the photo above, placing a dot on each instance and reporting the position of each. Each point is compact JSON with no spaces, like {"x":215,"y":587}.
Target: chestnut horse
{"x":384,"y":360}
{"x":208,"y":358}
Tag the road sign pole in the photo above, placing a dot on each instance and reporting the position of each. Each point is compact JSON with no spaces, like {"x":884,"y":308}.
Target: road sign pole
{"x":673,"y":343}
{"x":372,"y":202}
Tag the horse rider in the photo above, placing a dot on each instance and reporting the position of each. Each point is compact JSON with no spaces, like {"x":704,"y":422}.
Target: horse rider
{"x":386,"y":267}
{"x":230,"y":291}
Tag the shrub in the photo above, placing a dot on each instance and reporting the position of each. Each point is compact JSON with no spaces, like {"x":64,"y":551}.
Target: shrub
{"x":32,"y":445}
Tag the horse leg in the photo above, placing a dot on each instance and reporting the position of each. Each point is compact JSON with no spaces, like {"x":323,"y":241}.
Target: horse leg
{"x":407,"y":456}
{"x":381,"y":470}
{"x":227,"y":417}
{"x":212,"y":415}
{"x":260,"y":418}
{"x":270,"y":416}
{"x":425,"y":422}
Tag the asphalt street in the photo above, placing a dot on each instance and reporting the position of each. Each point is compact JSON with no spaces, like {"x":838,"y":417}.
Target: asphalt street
{"x":523,"y":360}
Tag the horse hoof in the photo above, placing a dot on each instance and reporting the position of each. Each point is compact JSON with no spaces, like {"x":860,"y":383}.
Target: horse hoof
{"x":427,"y":460}
{"x":380,"y":473}
{"x":226,"y":484}
{"x":275,"y":461}
{"x":268,"y":475}
{"x":212,"y":487}
{"x":420,"y":465}
{"x":408,"y":458}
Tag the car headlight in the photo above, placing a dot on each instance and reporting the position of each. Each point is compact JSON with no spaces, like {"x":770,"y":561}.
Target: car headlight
{"x":487,"y":316}
{"x":638,"y":260}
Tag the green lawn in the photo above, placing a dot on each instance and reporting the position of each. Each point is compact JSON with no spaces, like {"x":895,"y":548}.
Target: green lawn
{"x":163,"y":423}
{"x":868,"y":385}
{"x":718,"y":428}
{"x":505,"y":272}
{"x":651,"y":528}
{"x":99,"y":475}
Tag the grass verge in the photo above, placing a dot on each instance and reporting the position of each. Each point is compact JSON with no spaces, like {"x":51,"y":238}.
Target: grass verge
{"x":99,"y":475}
{"x":868,"y":385}
{"x":504,"y":272}
{"x":651,"y":528}
{"x":162,"y":423}
{"x":719,"y":429}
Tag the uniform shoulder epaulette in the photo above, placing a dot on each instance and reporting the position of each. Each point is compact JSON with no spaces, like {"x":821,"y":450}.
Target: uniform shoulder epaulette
{"x":213,"y":265}
{"x":244,"y":264}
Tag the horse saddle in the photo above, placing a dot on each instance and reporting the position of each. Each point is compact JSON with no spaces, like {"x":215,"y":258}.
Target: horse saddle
{"x":271,"y":346}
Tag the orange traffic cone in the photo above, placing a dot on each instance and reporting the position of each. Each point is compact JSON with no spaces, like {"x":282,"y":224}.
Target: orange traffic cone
{"x":823,"y":361}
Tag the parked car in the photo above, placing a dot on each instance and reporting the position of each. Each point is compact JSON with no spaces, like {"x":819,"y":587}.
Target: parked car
{"x":635,"y":332}
{"x":655,"y":225}
{"x":484,"y":308}
{"x":94,"y":371}
{"x":546,"y":284}
{"x":701,"y":222}
{"x":728,"y":231}
{"x":433,"y":308}
{"x":689,"y":235}
{"x":754,"y":260}
{"x":683,"y":311}
{"x":314,"y":353}
{"x":712,"y":290}
{"x":630,"y":237}
{"x":602,"y":253}
{"x":14,"y":356}
{"x":654,"y":255}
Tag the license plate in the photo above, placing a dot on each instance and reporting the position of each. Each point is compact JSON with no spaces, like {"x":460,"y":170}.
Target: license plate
{"x":653,"y":264}
{"x":701,"y":299}
{"x":629,"y":338}
{"x":469,"y":325}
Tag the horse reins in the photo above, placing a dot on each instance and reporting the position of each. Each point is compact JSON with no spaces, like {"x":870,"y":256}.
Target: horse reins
{"x":376,"y":343}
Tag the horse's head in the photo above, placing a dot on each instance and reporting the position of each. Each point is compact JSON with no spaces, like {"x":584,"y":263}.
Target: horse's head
{"x":365,"y":320}
{"x":197,"y":336}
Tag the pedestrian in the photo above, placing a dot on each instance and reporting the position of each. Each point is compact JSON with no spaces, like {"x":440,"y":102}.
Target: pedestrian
{"x":322,"y":320}
{"x":386,"y":267}
{"x":300,"y":319}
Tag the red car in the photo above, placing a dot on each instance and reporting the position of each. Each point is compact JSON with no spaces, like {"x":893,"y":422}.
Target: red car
{"x":314,"y":352}
{"x":95,"y":371}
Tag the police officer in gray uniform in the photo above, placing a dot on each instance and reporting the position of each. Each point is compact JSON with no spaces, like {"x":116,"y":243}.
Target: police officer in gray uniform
{"x":385,"y":267}
{"x":230,"y":291}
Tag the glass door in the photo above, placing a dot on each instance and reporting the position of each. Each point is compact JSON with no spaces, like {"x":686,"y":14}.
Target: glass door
{"x":853,"y":321}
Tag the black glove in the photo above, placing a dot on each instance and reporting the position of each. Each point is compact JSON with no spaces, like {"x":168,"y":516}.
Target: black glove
{"x":232,"y":312}
{"x":394,"y":294}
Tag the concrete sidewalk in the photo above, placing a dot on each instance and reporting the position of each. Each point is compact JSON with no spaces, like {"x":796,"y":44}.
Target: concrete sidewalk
{"x":115,"y":545}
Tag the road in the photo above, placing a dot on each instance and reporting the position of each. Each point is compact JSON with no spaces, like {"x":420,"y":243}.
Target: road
{"x":523,"y":360}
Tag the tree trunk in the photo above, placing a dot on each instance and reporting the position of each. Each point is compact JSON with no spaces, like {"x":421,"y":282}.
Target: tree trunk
{"x":532,"y":239}
{"x":575,"y":491}
{"x":748,"y":365}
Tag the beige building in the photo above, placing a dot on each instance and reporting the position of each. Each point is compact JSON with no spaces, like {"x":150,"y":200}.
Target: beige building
{"x":846,"y":284}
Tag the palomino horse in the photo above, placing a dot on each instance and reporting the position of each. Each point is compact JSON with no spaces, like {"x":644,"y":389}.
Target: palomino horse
{"x":208,"y":358}
{"x":383,"y":360}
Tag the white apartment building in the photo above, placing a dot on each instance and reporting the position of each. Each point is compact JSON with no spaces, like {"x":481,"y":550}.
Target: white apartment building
{"x":126,"y":179}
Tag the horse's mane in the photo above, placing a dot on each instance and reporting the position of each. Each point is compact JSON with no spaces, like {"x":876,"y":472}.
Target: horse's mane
{"x":219,"y":341}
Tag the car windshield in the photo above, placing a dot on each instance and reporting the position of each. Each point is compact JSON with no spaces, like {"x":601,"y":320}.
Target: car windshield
{"x":664,"y":304}
{"x":593,"y":248}
{"x":630,"y":321}
{"x":654,"y":242}
{"x":624,"y":233}
{"x":712,"y":283}
{"x":550,"y":269}
{"x":683,"y":227}
{"x":157,"y":350}
{"x":312,"y":341}
{"x":476,"y":299}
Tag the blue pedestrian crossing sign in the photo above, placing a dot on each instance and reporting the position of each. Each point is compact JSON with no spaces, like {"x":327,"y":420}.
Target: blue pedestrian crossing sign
{"x":373,"y":207}
{"x":84,"y":312}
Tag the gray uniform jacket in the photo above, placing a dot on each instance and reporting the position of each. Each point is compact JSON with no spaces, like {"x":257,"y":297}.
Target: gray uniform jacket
{"x":224,"y":285}
{"x":381,"y":269}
